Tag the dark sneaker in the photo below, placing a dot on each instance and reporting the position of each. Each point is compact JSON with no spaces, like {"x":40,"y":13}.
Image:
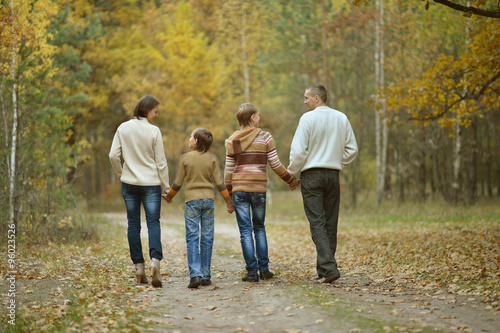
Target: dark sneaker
{"x":206,"y":282}
{"x":331,"y":278}
{"x":250,"y":278}
{"x":266,"y":275}
{"x":195,"y":282}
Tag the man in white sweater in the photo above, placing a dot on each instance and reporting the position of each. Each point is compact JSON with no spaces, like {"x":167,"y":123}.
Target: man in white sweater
{"x":322,"y":146}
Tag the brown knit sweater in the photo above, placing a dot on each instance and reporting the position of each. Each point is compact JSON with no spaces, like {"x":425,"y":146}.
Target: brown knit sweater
{"x":247,"y":154}
{"x":199,"y":170}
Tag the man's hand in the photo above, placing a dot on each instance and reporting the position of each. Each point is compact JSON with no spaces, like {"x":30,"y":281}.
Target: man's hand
{"x":294,"y":184}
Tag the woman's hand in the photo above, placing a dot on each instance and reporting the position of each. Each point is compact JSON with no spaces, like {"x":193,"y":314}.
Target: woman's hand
{"x":165,"y":196}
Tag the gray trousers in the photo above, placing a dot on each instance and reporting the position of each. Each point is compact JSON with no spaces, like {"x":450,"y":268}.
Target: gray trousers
{"x":321,"y":195}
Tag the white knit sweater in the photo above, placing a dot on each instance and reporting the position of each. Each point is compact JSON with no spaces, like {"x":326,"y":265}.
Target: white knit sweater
{"x":323,"y":139}
{"x":139,"y":145}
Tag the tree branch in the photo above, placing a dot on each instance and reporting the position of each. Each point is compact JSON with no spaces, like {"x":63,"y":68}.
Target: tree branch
{"x":466,"y":9}
{"x":467,"y":96}
{"x":440,"y":114}
{"x":485,"y":86}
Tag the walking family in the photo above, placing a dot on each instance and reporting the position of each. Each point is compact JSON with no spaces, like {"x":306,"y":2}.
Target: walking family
{"x":323,"y":144}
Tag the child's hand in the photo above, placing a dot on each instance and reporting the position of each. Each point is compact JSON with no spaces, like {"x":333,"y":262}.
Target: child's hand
{"x":294,"y":184}
{"x":165,"y":197}
{"x":230,"y":208}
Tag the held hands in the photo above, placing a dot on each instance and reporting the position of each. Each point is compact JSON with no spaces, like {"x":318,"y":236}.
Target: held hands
{"x":165,"y":196}
{"x":294,"y":184}
{"x":230,"y":208}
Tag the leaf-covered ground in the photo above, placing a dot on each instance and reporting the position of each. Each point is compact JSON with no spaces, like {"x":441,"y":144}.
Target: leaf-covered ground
{"x":402,"y":271}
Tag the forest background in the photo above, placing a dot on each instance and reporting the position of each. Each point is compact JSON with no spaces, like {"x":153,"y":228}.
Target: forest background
{"x":418,"y":80}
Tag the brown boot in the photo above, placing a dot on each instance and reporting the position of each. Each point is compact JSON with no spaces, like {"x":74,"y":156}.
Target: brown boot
{"x":140,"y":273}
{"x":155,"y":272}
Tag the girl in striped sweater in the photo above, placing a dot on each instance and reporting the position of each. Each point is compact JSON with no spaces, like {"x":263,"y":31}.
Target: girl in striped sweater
{"x":248,"y":151}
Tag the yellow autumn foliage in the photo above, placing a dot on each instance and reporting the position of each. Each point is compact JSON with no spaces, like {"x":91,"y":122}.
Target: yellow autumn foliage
{"x":456,"y":88}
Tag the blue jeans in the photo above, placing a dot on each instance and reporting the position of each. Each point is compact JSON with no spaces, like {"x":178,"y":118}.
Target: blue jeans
{"x":321,"y":195}
{"x":150,"y":197}
{"x":199,"y":249}
{"x":250,"y":208}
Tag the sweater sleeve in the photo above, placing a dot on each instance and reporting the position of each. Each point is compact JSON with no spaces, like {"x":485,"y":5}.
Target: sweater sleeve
{"x":179,"y":179}
{"x":228,"y":172}
{"x":275,"y":163}
{"x":299,"y":150}
{"x":115,"y":154}
{"x":161,"y":162}
{"x":351,"y":146}
{"x":219,"y":182}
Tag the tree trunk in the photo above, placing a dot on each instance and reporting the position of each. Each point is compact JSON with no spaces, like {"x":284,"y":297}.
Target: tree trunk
{"x":473,"y":163}
{"x":246,"y":75}
{"x":12,"y":168}
{"x":399,"y":163}
{"x":493,"y":128}
{"x":436,"y":169}
{"x":381,"y":128}
{"x":457,"y":149}
{"x":489,"y":162}
{"x":355,"y":173}
{"x":457,"y":155}
{"x":421,"y":169}
{"x":325,"y":49}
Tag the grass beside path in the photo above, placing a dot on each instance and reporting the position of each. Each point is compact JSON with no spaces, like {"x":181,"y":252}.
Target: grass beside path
{"x":77,"y":287}
{"x":418,"y":246}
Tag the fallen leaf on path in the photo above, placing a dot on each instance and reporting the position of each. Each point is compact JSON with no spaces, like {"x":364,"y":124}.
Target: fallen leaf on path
{"x":210,"y":307}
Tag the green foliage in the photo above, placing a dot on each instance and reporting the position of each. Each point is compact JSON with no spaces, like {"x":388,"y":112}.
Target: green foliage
{"x":48,"y":76}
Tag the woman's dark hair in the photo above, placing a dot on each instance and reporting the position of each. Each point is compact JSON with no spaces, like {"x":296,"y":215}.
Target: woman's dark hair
{"x":204,"y":139}
{"x":145,"y":104}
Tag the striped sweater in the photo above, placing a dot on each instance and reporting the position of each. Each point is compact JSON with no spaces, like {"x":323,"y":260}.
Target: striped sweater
{"x":247,"y":154}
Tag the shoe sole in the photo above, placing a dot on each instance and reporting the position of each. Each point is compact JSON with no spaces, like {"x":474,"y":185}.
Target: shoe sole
{"x":194,"y":286}
{"x":253,"y":280}
{"x":331,"y":279}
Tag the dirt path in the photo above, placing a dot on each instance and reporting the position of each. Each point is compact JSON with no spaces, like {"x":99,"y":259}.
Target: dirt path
{"x":355,"y":303}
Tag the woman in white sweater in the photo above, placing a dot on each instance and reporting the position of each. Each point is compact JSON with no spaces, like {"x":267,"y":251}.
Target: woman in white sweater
{"x":137,"y":156}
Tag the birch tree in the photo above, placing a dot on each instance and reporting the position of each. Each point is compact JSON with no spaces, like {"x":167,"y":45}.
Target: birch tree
{"x":457,"y":147}
{"x":24,"y":32}
{"x":381,"y":125}
{"x":246,"y":74}
{"x":12,"y":164}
